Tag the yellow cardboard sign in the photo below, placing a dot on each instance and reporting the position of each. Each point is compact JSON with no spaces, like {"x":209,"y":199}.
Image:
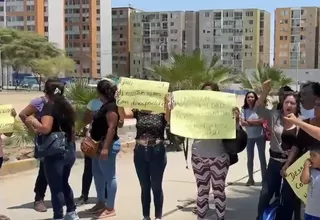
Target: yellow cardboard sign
{"x":142,"y":94}
{"x":6,"y":120}
{"x":203,"y":114}
{"x":293,"y":178}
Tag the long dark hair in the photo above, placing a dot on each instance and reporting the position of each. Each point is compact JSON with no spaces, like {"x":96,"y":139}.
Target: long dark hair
{"x":296,"y":97}
{"x":245,"y":103}
{"x":107,"y":89}
{"x":54,"y":89}
{"x":213,"y":86}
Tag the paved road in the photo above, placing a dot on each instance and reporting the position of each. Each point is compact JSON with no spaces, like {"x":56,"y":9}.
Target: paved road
{"x":16,"y":194}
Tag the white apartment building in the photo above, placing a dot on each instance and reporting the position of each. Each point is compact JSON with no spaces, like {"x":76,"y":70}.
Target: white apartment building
{"x":155,"y":35}
{"x":240,"y":37}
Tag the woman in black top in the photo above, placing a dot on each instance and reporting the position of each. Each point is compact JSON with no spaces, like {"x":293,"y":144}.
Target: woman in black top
{"x":104,"y":131}
{"x":58,"y":115}
{"x":149,"y":156}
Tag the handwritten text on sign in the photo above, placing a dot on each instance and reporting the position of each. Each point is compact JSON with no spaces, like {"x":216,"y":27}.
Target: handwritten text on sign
{"x":142,"y":94}
{"x":293,"y":177}
{"x":6,"y":120}
{"x":203,"y":114}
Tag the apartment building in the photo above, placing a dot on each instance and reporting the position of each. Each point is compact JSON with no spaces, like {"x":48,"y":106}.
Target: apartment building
{"x":191,"y":31}
{"x":154,"y":36}
{"x":240,"y":37}
{"x":121,"y":40}
{"x":296,"y":38}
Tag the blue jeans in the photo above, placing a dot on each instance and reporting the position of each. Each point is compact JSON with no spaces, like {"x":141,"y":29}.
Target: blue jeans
{"x":57,"y":169}
{"x":261,"y":144}
{"x":150,"y":163}
{"x":270,"y":186}
{"x":309,"y":217}
{"x":104,"y":174}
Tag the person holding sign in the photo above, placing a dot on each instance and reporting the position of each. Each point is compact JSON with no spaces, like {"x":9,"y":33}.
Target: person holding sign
{"x":150,"y":158}
{"x":210,"y":163}
{"x":13,"y":114}
{"x":283,"y":138}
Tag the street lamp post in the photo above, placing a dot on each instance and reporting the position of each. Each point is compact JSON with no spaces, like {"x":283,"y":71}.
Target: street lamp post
{"x":160,"y":52}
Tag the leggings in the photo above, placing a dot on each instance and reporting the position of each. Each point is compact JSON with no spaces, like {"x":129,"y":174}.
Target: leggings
{"x":212,"y":170}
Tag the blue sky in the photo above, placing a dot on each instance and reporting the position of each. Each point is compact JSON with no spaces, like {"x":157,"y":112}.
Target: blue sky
{"x":172,"y":5}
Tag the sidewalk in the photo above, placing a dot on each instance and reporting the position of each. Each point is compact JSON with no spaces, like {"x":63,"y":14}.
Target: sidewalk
{"x":16,"y":195}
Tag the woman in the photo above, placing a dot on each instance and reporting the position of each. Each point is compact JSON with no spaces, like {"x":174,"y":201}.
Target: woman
{"x":209,"y":159}
{"x":35,"y":108}
{"x":283,"y":138}
{"x":253,"y":126}
{"x":104,"y":131}
{"x":150,"y":158}
{"x":13,"y":114}
{"x":58,"y":115}
{"x":93,"y":106}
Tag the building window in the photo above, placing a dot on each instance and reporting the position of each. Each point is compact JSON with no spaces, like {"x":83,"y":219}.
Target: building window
{"x":207,"y":14}
{"x":121,"y":12}
{"x":249,"y":13}
{"x":250,"y":21}
{"x":30,"y":7}
{"x":284,"y":13}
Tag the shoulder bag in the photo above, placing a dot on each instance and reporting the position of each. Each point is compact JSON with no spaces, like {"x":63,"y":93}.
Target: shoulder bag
{"x":90,"y":147}
{"x":50,"y":145}
{"x":237,"y":145}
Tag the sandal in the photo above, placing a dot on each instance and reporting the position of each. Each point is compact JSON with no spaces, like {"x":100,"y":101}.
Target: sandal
{"x":106,"y":214}
{"x":95,"y":209}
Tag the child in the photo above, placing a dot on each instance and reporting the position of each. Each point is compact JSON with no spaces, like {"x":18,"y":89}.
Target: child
{"x":311,"y":175}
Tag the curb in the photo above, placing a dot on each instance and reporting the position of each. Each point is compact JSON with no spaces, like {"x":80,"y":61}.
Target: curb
{"x":32,"y":163}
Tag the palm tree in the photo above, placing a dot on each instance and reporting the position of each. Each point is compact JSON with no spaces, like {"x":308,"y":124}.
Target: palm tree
{"x":21,"y":136}
{"x":254,"y":81}
{"x":190,"y":71}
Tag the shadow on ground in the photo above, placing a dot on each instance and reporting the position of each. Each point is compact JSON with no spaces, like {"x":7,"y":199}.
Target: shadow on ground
{"x":241,"y":203}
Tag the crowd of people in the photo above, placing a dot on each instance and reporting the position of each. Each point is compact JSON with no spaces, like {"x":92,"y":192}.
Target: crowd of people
{"x":292,"y":127}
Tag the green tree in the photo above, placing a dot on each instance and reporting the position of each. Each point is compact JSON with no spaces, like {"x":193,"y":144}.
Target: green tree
{"x":190,"y":71}
{"x":20,"y":48}
{"x":254,"y":81}
{"x":55,"y":66}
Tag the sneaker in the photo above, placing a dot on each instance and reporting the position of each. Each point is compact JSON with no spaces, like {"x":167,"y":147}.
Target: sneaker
{"x":39,"y":206}
{"x":71,"y":216}
{"x":97,"y":208}
{"x":106,"y":214}
{"x":82,"y":200}
{"x":146,"y":218}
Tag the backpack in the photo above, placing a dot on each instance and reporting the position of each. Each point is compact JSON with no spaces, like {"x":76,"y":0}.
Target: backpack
{"x":237,"y":145}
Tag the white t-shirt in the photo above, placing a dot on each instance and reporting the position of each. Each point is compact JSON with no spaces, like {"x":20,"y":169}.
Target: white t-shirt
{"x":312,"y":206}
{"x":306,"y":113}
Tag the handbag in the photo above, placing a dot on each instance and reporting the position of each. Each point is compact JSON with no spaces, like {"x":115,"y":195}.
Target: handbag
{"x":50,"y":145}
{"x":90,"y":147}
{"x":237,"y":145}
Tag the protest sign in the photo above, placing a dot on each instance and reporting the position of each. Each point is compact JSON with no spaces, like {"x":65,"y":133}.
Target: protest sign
{"x":6,"y":120}
{"x":203,"y":114}
{"x":293,"y":177}
{"x":142,"y":94}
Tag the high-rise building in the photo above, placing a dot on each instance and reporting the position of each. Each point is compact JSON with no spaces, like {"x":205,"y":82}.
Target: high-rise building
{"x":155,"y":35}
{"x":121,"y":40}
{"x":74,"y":25}
{"x":240,"y":37}
{"x":191,"y":31}
{"x":296,"y":38}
